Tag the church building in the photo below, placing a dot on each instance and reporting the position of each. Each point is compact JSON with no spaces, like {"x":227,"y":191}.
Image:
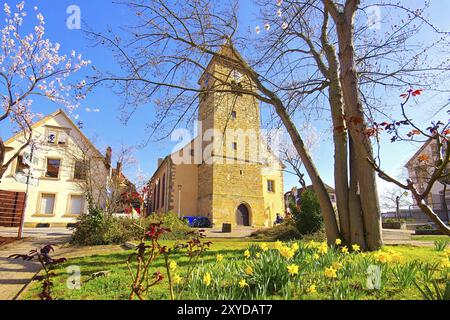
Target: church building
{"x":227,"y":173}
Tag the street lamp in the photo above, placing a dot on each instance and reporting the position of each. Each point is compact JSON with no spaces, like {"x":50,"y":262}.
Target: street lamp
{"x":397,"y":203}
{"x":179,"y":200}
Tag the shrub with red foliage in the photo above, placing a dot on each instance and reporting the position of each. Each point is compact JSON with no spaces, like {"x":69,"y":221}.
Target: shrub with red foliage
{"x":47,"y":262}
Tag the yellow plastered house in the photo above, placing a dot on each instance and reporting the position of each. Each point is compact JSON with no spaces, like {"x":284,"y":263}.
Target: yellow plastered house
{"x":62,"y":161}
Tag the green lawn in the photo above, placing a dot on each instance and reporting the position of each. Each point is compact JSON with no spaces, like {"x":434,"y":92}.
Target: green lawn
{"x":429,"y":238}
{"x":269,"y":278}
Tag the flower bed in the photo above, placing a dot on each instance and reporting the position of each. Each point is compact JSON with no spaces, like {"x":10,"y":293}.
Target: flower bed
{"x":397,"y":225}
{"x":294,"y":270}
{"x":428,"y":232}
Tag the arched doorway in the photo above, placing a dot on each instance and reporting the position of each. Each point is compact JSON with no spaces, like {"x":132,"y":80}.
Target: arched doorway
{"x":243,"y":216}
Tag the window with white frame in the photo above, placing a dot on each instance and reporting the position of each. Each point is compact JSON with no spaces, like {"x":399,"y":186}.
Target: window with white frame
{"x":62,"y":138}
{"x":76,"y":204}
{"x":47,"y":205}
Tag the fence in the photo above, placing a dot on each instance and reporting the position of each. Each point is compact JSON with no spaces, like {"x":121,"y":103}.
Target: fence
{"x":12,"y":206}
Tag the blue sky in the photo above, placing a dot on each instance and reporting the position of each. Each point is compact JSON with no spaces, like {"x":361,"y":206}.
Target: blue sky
{"x":106,"y":128}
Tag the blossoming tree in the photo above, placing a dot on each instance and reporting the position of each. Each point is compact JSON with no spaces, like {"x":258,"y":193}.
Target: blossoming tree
{"x":32,"y":66}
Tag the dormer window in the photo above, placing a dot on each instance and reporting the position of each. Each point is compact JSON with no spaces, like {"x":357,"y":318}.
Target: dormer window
{"x":57,"y":137}
{"x":51,"y":137}
{"x":62,"y":139}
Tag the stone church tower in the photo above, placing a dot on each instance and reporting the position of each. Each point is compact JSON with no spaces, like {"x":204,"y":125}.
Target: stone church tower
{"x":237,"y":179}
{"x":232,"y":184}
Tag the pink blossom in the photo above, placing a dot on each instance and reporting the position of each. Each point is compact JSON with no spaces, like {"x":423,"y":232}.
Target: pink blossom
{"x":26,"y":60}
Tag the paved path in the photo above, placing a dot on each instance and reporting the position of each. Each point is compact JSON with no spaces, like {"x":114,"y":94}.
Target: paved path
{"x":15,"y":274}
{"x":403,"y":237}
{"x":47,"y":233}
{"x":237,"y":232}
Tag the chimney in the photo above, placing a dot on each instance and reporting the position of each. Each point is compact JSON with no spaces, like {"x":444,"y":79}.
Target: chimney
{"x":108,"y":156}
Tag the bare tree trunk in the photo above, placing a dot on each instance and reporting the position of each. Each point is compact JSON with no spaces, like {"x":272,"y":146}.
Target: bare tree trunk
{"x":433,"y":216}
{"x":340,"y":152}
{"x":356,"y":220}
{"x":444,"y":202}
{"x":2,"y":158}
{"x":340,"y":167}
{"x":331,"y":72}
{"x":357,"y":126}
{"x":397,"y":207}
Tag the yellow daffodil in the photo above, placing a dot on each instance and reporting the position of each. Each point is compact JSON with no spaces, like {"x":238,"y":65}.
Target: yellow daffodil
{"x":287,"y":252}
{"x":311,"y":289}
{"x":243,"y":283}
{"x":293,"y":269}
{"x":219,"y":258}
{"x":295,"y":247}
{"x":382,"y":257}
{"x":248,"y":270}
{"x":356,"y":248}
{"x":314,"y":244}
{"x":177,"y":279}
{"x":247,"y":254}
{"x":445,"y":263}
{"x":337,"y":265}
{"x":344,"y":250}
{"x":315,"y":256}
{"x":278,"y":245}
{"x":396,"y":256}
{"x":173,"y":265}
{"x":310,"y":244}
{"x":338,"y":242}
{"x":258,"y":255}
{"x":323,"y":249}
{"x":207,"y":279}
{"x":330,"y":272}
{"x":264,"y":246}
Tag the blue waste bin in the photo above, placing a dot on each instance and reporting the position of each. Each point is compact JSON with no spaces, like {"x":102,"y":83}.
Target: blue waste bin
{"x":198,"y":222}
